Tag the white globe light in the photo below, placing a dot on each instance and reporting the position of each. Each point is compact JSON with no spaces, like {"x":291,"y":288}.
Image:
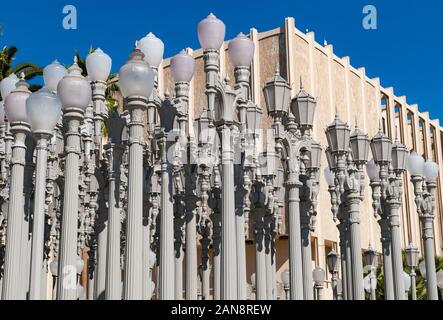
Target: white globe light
{"x":211,"y":32}
{"x":98,"y":65}
{"x":422,"y":268}
{"x":153,"y":49}
{"x":2,"y":113}
{"x":318,"y":275}
{"x":53,"y":267}
{"x":416,"y":164}
{"x":152,"y":259}
{"x":79,"y":263}
{"x":7,"y":85}
{"x":43,"y":109}
{"x":241,"y":50}
{"x":15,"y":103}
{"x":182,"y":67}
{"x":285,"y":278}
{"x":136,"y":77}
{"x":74,"y":90}
{"x":373,"y":170}
{"x":329,"y":176}
{"x":407,"y":281}
{"x":52,"y":74}
{"x":430,"y":171}
{"x":253,"y":280}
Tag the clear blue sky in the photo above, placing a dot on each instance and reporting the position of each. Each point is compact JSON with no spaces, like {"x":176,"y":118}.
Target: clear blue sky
{"x":406,"y":51}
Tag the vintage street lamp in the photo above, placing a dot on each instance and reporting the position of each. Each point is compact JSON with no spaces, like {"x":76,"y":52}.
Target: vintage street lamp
{"x":182,"y":69}
{"x":423,"y":178}
{"x":15,"y":109}
{"x":391,"y":159}
{"x":303,"y":108}
{"x":347,"y":154}
{"x":318,"y":275}
{"x":371,"y":264}
{"x":412,"y":255}
{"x":74,"y":92}
{"x":285,"y":278}
{"x":40,"y":103}
{"x":333,"y":267}
{"x":136,"y":80}
{"x":241,"y":52}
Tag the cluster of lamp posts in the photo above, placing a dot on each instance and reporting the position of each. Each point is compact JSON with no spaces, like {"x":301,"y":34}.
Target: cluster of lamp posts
{"x":139,"y":203}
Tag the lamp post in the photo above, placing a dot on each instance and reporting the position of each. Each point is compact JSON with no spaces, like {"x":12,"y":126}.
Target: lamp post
{"x":333,"y":267}
{"x":423,"y":178}
{"x":136,"y":81}
{"x":98,"y":65}
{"x":182,"y":69}
{"x":391,"y":161}
{"x":241,"y":52}
{"x":114,"y":150}
{"x":348,"y":154}
{"x":74,"y":92}
{"x":40,"y":103}
{"x":318,"y":275}
{"x":412,"y":255}
{"x":15,"y":109}
{"x":373,"y":171}
{"x":211,"y":33}
{"x":371,"y":264}
{"x":277,"y":97}
{"x":285,"y":278}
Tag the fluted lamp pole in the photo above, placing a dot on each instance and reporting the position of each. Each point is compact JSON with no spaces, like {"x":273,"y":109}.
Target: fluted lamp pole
{"x":136,"y":80}
{"x":43,"y":109}
{"x":74,"y":92}
{"x":241,"y":52}
{"x":423,"y":177}
{"x":15,"y":109}
{"x":182,"y":69}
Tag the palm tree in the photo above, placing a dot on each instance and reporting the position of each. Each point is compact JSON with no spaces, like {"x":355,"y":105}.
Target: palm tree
{"x":30,"y":70}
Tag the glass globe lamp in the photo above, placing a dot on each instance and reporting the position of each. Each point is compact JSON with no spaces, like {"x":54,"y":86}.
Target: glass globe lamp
{"x":98,"y":65}
{"x":43,"y":110}
{"x":373,"y":170}
{"x":211,"y":32}
{"x":241,"y":51}
{"x":430,"y":171}
{"x":2,"y":113}
{"x":79,"y":263}
{"x":285,"y":278}
{"x":153,"y":49}
{"x":182,"y":67}
{"x":74,"y":90}
{"x":7,"y":85}
{"x":52,"y":74}
{"x":416,"y":164}
{"x":15,"y":103}
{"x":136,"y":77}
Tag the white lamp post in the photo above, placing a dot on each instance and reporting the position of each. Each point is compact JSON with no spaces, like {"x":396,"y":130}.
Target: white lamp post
{"x":285,"y":278}
{"x":43,"y":109}
{"x":241,"y":52}
{"x":136,"y":81}
{"x":98,"y":65}
{"x":15,"y":109}
{"x":182,"y":69}
{"x":412,"y":255}
{"x":318,"y":275}
{"x":74,"y":92}
{"x":423,"y":177}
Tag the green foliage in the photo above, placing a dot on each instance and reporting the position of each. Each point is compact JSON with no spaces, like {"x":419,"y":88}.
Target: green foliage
{"x":30,"y":70}
{"x":420,"y":281}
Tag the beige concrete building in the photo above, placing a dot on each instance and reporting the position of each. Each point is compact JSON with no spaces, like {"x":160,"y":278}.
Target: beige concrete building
{"x":337,"y":85}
